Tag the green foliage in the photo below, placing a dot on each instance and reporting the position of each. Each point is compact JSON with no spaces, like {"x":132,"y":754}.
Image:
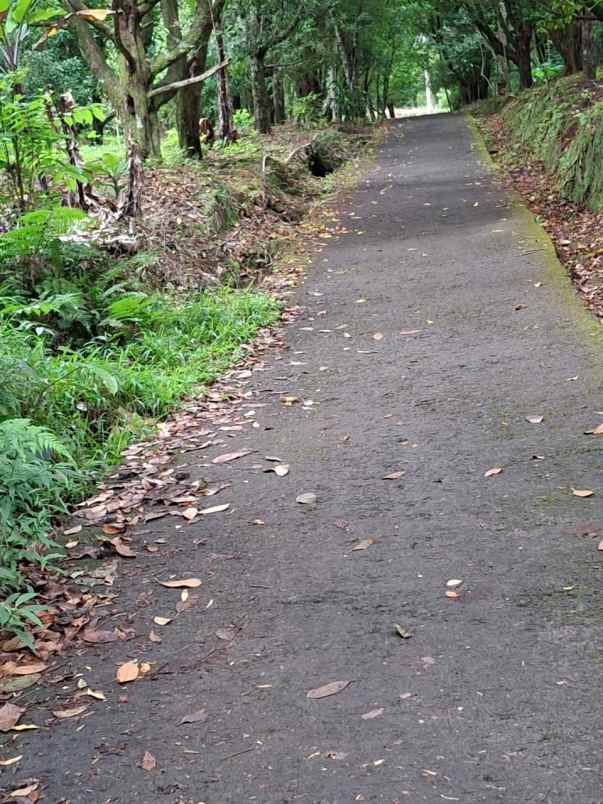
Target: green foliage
{"x":559,"y":125}
{"x":306,"y":109}
{"x":29,"y":148}
{"x":35,"y":479}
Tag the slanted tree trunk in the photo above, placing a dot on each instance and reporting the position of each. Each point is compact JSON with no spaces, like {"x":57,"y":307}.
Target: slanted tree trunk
{"x":524,"y":56}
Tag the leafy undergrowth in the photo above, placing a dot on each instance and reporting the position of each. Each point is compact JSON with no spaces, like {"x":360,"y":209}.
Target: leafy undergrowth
{"x":228,"y":217}
{"x":549,"y":143}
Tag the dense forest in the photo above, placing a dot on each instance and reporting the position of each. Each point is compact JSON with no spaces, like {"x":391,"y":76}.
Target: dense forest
{"x":110,"y":114}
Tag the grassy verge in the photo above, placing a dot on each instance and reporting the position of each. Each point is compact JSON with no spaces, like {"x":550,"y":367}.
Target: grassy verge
{"x":549,"y":145}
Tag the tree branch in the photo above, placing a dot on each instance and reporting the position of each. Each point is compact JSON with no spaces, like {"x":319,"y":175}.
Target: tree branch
{"x":188,"y":81}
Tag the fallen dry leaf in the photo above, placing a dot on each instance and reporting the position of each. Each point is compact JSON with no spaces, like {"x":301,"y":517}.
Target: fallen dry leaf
{"x":72,"y":531}
{"x":598,"y":431}
{"x":231,"y":456}
{"x":184,"y":583}
{"x":289,"y":400}
{"x":25,"y":792}
{"x":493,"y":472}
{"x":148,"y":762}
{"x":190,"y":513}
{"x":195,"y":717}
{"x":372,"y":714}
{"x":454,"y":583}
{"x":23,"y":669}
{"x":121,"y":548}
{"x":281,"y":469}
{"x":9,"y":716}
{"x":7,"y":762}
{"x":162,"y":620}
{"x":98,"y":695}
{"x":378,"y":336}
{"x":535,"y":419}
{"x":306,"y":499}
{"x":215,"y":509}
{"x":403,"y":633}
{"x":394,"y":475}
{"x":98,"y":636}
{"x":364,"y":544}
{"x":582,"y":492}
{"x":227,"y":634}
{"x":63,"y":714}
{"x":405,"y":696}
{"x":113,"y":528}
{"x":600,"y":545}
{"x":450,"y":593}
{"x":154,"y":637}
{"x":328,"y":689}
{"x":127,"y":672}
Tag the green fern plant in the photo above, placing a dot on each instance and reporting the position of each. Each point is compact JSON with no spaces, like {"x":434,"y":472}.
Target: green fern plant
{"x":35,"y":469}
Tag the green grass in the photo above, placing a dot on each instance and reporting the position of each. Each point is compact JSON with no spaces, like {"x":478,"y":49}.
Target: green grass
{"x":94,"y":399}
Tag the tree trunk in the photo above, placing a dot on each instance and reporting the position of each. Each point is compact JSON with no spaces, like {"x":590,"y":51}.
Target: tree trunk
{"x":139,"y":119}
{"x":225,"y":126}
{"x":524,"y":61}
{"x":261,"y":99}
{"x":429,"y":93}
{"x":188,"y":110}
{"x":588,"y":51}
{"x":569,"y":44}
{"x":278,"y":97}
{"x":391,"y":110}
{"x":331,"y":102}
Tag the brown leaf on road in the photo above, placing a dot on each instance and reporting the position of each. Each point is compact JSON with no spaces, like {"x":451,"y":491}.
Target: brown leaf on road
{"x":113,"y":528}
{"x":25,"y":792}
{"x":23,"y":669}
{"x":410,"y":332}
{"x":372,"y":714}
{"x":582,"y":492}
{"x":98,"y":635}
{"x":127,"y":672}
{"x":231,"y":456}
{"x":121,"y":548}
{"x":63,"y":714}
{"x":328,"y":689}
{"x":162,"y":620}
{"x":215,"y":509}
{"x":600,"y":545}
{"x":535,"y":419}
{"x":72,"y":531}
{"x":190,"y":513}
{"x":9,"y":716}
{"x":183,"y":583}
{"x":200,"y":716}
{"x":598,"y":431}
{"x":364,"y":544}
{"x":227,"y":634}
{"x":342,"y":524}
{"x":493,"y":472}
{"x":154,"y":637}
{"x":148,"y":762}
{"x":394,"y":475}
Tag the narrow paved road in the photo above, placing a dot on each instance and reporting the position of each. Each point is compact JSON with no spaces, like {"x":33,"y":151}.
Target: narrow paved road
{"x":496,"y":695}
